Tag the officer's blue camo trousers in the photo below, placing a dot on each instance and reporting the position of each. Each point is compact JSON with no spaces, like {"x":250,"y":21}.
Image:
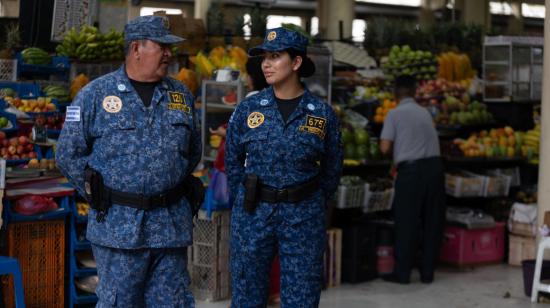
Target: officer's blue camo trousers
{"x":155,"y":277}
{"x":298,"y":232}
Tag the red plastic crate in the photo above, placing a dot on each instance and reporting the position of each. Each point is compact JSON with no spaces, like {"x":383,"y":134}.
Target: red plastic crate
{"x":473,"y":246}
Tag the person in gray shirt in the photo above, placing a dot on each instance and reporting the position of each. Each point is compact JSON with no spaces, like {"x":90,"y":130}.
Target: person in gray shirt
{"x":419,"y":200}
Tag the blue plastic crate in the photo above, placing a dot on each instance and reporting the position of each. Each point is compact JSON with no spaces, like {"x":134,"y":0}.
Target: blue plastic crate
{"x":63,"y":210}
{"x":23,"y":89}
{"x":59,"y":65}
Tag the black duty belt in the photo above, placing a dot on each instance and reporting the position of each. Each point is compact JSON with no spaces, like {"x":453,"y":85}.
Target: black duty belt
{"x":415,"y":161}
{"x":292,"y":194}
{"x":142,"y":202}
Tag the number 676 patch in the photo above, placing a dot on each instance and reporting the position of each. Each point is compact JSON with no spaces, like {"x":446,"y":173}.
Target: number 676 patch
{"x":314,"y":125}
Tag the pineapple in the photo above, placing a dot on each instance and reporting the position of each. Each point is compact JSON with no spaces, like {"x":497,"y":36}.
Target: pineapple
{"x":12,"y":41}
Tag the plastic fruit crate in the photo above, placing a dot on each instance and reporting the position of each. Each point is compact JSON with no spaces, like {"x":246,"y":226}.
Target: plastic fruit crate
{"x":379,"y":201}
{"x":39,"y":246}
{"x":465,"y":184}
{"x":350,"y":196}
{"x":209,"y":256}
{"x":8,"y":69}
{"x":497,"y":184}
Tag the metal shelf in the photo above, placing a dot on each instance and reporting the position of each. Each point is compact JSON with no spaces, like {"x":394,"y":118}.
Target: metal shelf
{"x":213,"y":112}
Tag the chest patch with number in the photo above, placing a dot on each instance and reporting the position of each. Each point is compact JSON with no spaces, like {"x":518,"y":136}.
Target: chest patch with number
{"x":314,"y":125}
{"x":177,"y":102}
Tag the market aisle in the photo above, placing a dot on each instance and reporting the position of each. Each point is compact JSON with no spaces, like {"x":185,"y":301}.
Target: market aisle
{"x":484,"y":287}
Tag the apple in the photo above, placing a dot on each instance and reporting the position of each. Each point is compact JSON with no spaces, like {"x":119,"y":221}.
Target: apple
{"x":24,"y":156}
{"x":15,"y":156}
{"x":12,"y":149}
{"x":20,"y":149}
{"x":29,"y":147}
{"x":5,"y":143}
{"x":2,"y":135}
{"x":32,"y":155}
{"x":23,"y":140}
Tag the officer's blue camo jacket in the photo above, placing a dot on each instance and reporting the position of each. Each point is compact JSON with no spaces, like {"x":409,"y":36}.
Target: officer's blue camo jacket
{"x":137,"y":150}
{"x":284,"y":155}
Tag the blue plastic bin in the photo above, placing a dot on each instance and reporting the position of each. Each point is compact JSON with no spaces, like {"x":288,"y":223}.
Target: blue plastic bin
{"x":59,"y":65}
{"x":23,"y":89}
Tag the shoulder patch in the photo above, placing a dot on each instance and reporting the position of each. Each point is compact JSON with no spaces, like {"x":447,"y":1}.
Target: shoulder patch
{"x":72,"y":114}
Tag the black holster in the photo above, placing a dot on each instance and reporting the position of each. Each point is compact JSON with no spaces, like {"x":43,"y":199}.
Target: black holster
{"x":252,"y":193}
{"x":98,"y":197}
{"x":194,"y":192}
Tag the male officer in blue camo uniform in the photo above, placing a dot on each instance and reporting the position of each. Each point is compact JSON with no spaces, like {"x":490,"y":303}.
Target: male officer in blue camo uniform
{"x":143,"y":143}
{"x":284,"y":155}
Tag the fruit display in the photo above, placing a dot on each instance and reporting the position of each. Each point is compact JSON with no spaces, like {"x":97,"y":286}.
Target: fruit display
{"x":461,"y":112}
{"x":455,"y":67}
{"x":50,"y":122}
{"x":532,"y":143}
{"x":189,"y":79}
{"x":498,"y":142}
{"x":35,"y":55}
{"x":359,"y":146}
{"x":440,"y":88}
{"x":16,"y":147}
{"x":383,"y":110}
{"x":218,"y":58}
{"x":82,"y":208}
{"x":41,"y":104}
{"x":368,"y":93}
{"x":44,"y":163}
{"x":405,"y":61}
{"x":58,"y":92}
{"x":78,"y":83}
{"x":90,"y":45}
{"x":54,"y":122}
{"x":203,"y":66}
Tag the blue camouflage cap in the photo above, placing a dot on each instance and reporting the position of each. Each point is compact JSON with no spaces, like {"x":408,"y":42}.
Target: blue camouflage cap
{"x":152,"y":27}
{"x":278,"y":39}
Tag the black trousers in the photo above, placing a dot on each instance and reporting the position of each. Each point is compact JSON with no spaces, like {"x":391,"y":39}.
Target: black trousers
{"x":419,"y":214}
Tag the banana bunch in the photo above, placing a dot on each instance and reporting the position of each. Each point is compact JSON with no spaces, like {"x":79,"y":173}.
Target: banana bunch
{"x":351,"y":162}
{"x":89,"y":44}
{"x":34,"y":55}
{"x":58,"y":92}
{"x":188,"y":78}
{"x":82,"y":208}
{"x":203,"y":66}
{"x":78,"y":83}
{"x":532,"y":139}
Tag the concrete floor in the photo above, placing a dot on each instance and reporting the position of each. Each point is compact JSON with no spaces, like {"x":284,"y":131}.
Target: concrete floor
{"x":498,"y":286}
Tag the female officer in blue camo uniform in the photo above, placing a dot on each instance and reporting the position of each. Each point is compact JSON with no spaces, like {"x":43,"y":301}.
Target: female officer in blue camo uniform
{"x":283,"y":161}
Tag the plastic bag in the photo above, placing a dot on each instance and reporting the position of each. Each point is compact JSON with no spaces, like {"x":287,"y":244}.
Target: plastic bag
{"x":217,"y":194}
{"x":219,"y":185}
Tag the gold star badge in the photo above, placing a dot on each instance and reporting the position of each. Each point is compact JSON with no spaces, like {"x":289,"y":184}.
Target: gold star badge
{"x":271,"y":36}
{"x":255,"y":119}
